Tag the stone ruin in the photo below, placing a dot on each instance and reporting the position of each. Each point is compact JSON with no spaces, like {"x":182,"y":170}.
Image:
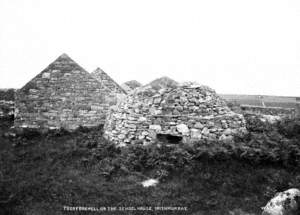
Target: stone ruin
{"x":115,"y":91}
{"x":129,"y":86}
{"x":7,"y":109}
{"x":7,"y":104}
{"x":62,"y":95}
{"x":183,"y":114}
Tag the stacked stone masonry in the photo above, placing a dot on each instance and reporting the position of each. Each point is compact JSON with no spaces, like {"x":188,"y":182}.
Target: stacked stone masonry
{"x":7,"y":103}
{"x":62,"y":95}
{"x":6,"y":109}
{"x":190,"y":112}
{"x":115,"y":92}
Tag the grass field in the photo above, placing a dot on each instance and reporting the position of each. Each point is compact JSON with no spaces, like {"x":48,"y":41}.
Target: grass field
{"x":270,"y":101}
{"x":82,"y":169}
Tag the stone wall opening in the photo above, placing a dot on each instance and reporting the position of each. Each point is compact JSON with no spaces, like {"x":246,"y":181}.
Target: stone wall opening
{"x":169,"y":139}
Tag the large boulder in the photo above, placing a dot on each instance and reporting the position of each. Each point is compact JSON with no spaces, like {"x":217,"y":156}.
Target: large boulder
{"x":284,"y":203}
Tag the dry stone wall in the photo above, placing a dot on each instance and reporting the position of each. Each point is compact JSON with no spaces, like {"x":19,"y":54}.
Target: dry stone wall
{"x":115,"y":92}
{"x":274,"y":111}
{"x":7,"y":103}
{"x":6,"y":109}
{"x":62,"y":95}
{"x":189,"y":112}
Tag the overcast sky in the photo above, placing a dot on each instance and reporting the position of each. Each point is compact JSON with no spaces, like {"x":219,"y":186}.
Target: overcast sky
{"x":233,"y":46}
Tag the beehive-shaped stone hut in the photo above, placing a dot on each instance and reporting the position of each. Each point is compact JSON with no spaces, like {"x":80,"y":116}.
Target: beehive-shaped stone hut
{"x":62,"y":95}
{"x":115,"y":91}
{"x":186,"y":113}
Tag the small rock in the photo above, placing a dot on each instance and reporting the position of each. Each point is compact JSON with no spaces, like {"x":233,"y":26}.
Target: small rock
{"x":210,"y":124}
{"x":205,"y":131}
{"x":182,"y":128}
{"x":179,"y":108}
{"x":145,"y":133}
{"x":157,"y":112}
{"x":226,"y":139}
{"x":140,"y":137}
{"x":176,"y":112}
{"x":155,"y":127}
{"x":121,"y":136}
{"x":228,"y":131}
{"x":133,"y":126}
{"x":199,"y":125}
{"x":195,"y":133}
{"x":157,"y":100}
{"x":212,"y":136}
{"x":142,"y":119}
{"x":131,"y":118}
{"x":150,"y":182}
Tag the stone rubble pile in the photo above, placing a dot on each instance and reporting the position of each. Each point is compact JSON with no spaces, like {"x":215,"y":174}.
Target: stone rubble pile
{"x":192,"y":112}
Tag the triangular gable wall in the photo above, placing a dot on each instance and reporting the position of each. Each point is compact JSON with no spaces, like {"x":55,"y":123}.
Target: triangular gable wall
{"x":62,"y":95}
{"x":107,"y":81}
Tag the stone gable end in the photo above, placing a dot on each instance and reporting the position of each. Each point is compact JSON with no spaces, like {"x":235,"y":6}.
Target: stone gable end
{"x":107,"y":81}
{"x":115,"y":92}
{"x":62,"y":95}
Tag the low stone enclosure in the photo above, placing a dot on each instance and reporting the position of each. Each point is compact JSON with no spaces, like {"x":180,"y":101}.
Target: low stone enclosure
{"x":63,"y":95}
{"x":182,"y":114}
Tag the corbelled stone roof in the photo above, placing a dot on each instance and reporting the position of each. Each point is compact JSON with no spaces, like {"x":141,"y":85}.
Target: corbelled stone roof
{"x":154,"y":86}
{"x":163,"y":82}
{"x":107,"y":81}
{"x":192,"y":112}
{"x":133,"y":84}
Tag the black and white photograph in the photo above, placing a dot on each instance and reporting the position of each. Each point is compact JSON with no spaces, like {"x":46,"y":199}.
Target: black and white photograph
{"x":135,"y":107}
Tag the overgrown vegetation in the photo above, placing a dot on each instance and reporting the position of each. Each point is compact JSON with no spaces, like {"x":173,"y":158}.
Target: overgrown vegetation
{"x":43,"y":172}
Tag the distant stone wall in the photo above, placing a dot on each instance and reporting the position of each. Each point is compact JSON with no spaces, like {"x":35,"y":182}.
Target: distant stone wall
{"x":298,"y":106}
{"x":275,"y":111}
{"x":63,"y":95}
{"x":188,"y":113}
